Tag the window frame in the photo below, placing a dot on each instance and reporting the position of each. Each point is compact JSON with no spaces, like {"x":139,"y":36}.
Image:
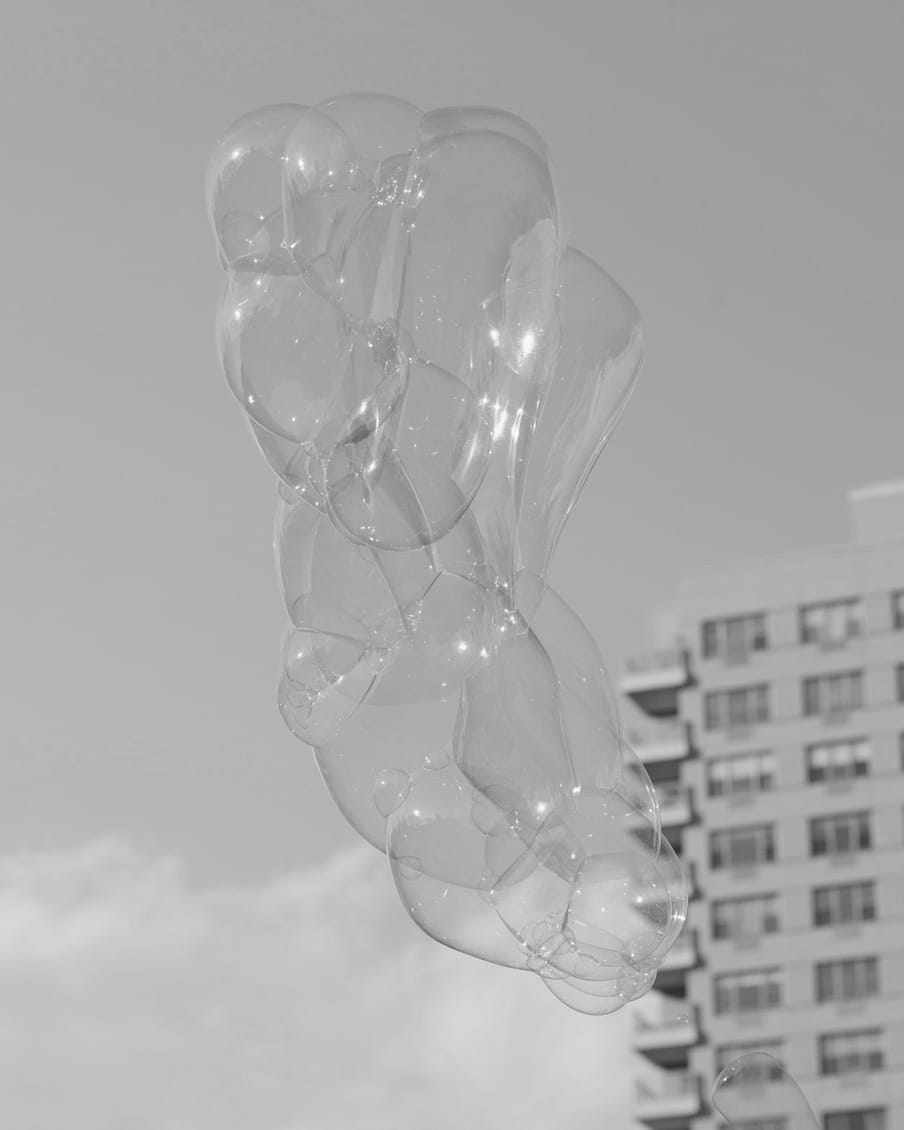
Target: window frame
{"x":824,"y":833}
{"x":761,"y":780}
{"x":722,"y":708}
{"x":843,"y":1119}
{"x":859,"y":762}
{"x":861,"y":895}
{"x":852,"y":1063}
{"x":842,"y":974}
{"x":764,"y":854}
{"x":850,"y":610}
{"x":716,"y":633}
{"x":726,"y":1053}
{"x":766,"y":984}
{"x":769,"y":919}
{"x":818,"y":691}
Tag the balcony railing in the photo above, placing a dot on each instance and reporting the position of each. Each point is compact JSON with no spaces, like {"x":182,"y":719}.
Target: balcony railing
{"x":654,"y":679}
{"x":675,"y":807}
{"x":658,"y":660}
{"x":664,"y":740}
{"x":683,"y":954}
{"x":666,"y":663}
{"x":675,"y":1095}
{"x":668,"y":1025}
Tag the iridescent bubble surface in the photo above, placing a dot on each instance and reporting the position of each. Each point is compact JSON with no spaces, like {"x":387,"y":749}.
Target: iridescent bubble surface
{"x":431,"y":373}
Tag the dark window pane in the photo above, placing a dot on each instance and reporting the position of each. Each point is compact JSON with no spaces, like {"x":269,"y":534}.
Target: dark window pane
{"x":873,"y":1119}
{"x":709,"y":639}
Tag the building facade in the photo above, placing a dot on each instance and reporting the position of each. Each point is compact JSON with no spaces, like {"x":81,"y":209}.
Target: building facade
{"x":774,"y":734}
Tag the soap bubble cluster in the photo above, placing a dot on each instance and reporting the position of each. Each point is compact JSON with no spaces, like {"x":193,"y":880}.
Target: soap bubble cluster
{"x":431,"y":373}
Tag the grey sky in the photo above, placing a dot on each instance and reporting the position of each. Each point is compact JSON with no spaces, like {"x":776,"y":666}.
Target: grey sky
{"x":737,"y":167}
{"x":134,"y":1002}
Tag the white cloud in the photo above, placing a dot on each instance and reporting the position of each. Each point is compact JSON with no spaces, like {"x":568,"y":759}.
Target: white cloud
{"x":129,"y":1001}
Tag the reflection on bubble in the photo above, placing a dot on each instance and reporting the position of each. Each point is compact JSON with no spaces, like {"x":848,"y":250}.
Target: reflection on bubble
{"x":431,"y":374}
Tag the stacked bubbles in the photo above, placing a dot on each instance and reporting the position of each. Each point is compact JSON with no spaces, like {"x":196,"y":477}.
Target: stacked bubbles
{"x":431,"y":373}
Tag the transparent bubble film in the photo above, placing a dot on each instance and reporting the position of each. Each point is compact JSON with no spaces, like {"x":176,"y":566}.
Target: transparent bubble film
{"x":432,"y":373}
{"x":755,"y":1089}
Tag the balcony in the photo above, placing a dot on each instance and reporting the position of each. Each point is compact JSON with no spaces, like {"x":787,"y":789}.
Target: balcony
{"x":653,"y":681}
{"x":665,"y":1031}
{"x":672,"y":975}
{"x":672,"y":1099}
{"x":675,"y":806}
{"x":665,"y":740}
{"x":683,"y":954}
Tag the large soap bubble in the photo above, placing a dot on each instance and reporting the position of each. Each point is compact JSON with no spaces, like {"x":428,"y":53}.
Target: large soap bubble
{"x":755,"y":1088}
{"x":432,"y":373}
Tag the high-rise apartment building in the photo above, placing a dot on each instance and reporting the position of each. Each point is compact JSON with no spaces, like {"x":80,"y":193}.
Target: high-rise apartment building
{"x":774,"y":734}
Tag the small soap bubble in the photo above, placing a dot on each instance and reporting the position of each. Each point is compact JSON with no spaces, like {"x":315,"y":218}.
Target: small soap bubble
{"x":244,"y":190}
{"x":380,"y":127}
{"x":284,"y":349}
{"x":321,"y":188}
{"x":390,"y":789}
{"x":437,"y":759}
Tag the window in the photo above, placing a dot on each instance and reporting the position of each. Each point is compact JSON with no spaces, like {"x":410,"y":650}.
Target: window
{"x":746,"y":917}
{"x":832,"y":621}
{"x":846,"y":902}
{"x":744,"y":706}
{"x":741,"y":773}
{"x":833,"y":694}
{"x":729,"y":1052}
{"x":847,"y":980}
{"x":897,"y":609}
{"x":838,"y":761}
{"x":748,"y":992}
{"x":735,"y":636}
{"x":742,"y":847}
{"x":851,"y":1051}
{"x":873,"y":1119}
{"x":901,"y":682}
{"x":838,"y":835}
